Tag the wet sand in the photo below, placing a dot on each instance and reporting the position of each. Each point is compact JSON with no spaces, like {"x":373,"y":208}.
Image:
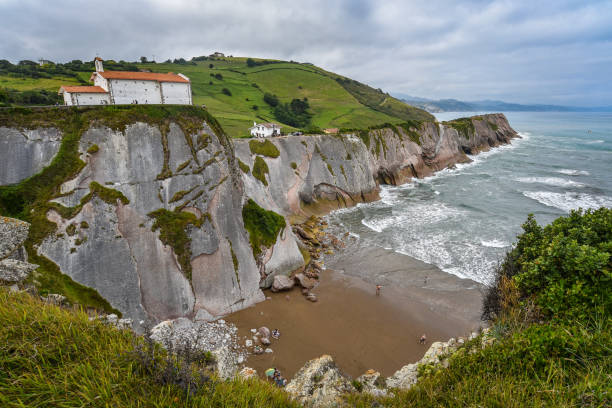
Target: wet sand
{"x":357,"y":328}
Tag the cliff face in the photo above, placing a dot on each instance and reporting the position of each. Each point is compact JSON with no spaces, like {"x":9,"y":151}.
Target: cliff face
{"x":152,"y":218}
{"x":314,"y":174}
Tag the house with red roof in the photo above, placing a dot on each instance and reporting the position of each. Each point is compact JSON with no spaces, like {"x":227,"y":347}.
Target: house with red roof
{"x":126,"y":87}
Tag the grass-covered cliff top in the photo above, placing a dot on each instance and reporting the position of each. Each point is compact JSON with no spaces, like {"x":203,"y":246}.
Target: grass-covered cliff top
{"x":233,"y":91}
{"x":52,"y":357}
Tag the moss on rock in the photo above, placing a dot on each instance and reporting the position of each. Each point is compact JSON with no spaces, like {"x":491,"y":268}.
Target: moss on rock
{"x":265,"y":148}
{"x":260,"y":169}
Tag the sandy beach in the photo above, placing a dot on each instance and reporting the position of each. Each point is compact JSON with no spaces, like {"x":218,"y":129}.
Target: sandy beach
{"x":357,"y":328}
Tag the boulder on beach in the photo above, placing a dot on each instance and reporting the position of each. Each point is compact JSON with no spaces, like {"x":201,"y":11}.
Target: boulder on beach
{"x":263,"y":331}
{"x":304,"y":281}
{"x":312,"y":297}
{"x":282,"y":282}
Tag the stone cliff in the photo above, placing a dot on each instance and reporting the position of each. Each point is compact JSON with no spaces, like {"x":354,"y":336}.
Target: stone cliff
{"x":148,"y":205}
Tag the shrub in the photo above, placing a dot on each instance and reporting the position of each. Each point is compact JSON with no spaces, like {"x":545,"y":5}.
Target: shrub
{"x":294,"y":114}
{"x":265,"y":148}
{"x":226,"y":92}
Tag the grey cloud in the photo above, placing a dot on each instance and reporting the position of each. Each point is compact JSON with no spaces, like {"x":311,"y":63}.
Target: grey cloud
{"x":522,"y":51}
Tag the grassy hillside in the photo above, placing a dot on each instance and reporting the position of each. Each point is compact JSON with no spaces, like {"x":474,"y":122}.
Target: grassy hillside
{"x":234,"y":92}
{"x":52,"y":357}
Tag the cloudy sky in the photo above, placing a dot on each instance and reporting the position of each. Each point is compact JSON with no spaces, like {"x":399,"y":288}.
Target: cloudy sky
{"x":533,"y":51}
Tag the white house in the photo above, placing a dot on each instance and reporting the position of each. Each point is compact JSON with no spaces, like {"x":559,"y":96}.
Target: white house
{"x":126,"y":87}
{"x":265,"y":129}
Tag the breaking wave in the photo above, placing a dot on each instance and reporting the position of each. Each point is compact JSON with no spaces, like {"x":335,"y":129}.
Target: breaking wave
{"x":568,"y":201}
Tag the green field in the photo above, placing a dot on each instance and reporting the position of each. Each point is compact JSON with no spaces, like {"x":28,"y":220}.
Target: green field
{"x":335,"y":101}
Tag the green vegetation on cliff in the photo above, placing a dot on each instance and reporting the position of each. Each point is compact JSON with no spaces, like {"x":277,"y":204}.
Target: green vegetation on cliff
{"x":260,"y":169}
{"x":53,"y":357}
{"x":262,"y":225}
{"x":550,"y":311}
{"x":172,"y":226}
{"x":30,"y":199}
{"x":265,"y":148}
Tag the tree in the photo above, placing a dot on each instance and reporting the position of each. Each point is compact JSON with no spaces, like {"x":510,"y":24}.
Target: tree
{"x":143,"y":60}
{"x":226,"y":92}
{"x":210,"y":66}
{"x":250,"y":62}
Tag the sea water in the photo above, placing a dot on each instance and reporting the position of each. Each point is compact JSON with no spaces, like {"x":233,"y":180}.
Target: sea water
{"x":464,"y":220}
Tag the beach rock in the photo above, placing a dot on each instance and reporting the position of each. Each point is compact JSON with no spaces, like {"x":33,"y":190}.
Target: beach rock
{"x":282,"y":282}
{"x":14,"y":271}
{"x":248,"y":343}
{"x":265,"y":341}
{"x":247,"y":373}
{"x":319,"y":384}
{"x":304,"y":281}
{"x":404,"y":378}
{"x":203,"y":315}
{"x":312,"y":297}
{"x":268,"y":350}
{"x":263,"y":332}
{"x":258,"y":350}
{"x":372,"y":383}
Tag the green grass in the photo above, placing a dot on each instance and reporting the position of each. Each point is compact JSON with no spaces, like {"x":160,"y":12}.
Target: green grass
{"x":464,"y":126}
{"x":52,"y":357}
{"x":263,"y":226}
{"x":30,"y":199}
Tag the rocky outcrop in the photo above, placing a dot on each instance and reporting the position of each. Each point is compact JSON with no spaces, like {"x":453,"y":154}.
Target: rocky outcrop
{"x":13,"y":268}
{"x":319,"y":384}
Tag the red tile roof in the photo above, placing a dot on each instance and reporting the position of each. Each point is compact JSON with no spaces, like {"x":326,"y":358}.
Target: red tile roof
{"x":83,"y":89}
{"x":142,"y":76}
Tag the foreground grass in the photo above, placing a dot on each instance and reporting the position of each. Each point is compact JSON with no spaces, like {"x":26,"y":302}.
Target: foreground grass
{"x":51,"y":357}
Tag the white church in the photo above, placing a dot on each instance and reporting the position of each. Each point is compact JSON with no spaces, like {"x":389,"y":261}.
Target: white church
{"x":126,"y":87}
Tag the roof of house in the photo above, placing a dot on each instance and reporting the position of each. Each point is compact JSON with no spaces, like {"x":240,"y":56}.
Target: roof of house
{"x":268,"y":125}
{"x":142,"y":76}
{"x":82,"y":89}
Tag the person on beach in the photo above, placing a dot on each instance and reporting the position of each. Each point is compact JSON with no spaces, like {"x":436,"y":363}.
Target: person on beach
{"x":378,"y":290}
{"x":423,"y":339}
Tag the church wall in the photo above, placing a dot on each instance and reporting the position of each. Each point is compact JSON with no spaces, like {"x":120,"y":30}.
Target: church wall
{"x":176,"y":93}
{"x":90,"y":98}
{"x":126,"y":91}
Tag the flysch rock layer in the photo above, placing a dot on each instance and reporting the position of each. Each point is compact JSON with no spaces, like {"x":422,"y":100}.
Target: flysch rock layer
{"x":120,"y":256}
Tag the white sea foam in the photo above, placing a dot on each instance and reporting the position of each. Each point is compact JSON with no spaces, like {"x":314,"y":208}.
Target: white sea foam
{"x":595,"y":141}
{"x":551,"y":181}
{"x":569,"y":201}
{"x":494,"y":243}
{"x":572,"y":172}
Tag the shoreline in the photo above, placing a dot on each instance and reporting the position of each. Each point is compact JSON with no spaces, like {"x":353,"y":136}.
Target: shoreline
{"x":359,"y":329}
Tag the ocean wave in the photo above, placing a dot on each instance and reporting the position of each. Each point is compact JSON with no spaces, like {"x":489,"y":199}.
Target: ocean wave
{"x":572,"y":172}
{"x":551,"y":181}
{"x":569,"y":201}
{"x":594,"y":141}
{"x":494,"y":243}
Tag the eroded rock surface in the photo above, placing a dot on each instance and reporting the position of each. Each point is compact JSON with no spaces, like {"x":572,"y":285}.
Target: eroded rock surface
{"x":12,"y":235}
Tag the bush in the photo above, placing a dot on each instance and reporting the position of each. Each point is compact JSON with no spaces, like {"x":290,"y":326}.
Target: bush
{"x":226,"y":92}
{"x":564,"y":267}
{"x":294,"y":114}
